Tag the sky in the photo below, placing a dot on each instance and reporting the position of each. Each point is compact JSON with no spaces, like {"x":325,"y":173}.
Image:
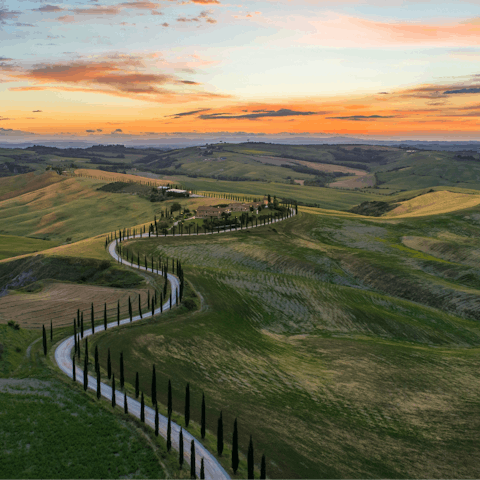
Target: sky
{"x":113,"y":70}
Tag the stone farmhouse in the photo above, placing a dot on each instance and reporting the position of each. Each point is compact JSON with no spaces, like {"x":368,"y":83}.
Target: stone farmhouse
{"x":212,"y":211}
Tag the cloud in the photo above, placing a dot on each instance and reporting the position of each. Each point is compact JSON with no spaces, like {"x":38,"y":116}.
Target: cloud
{"x":205,"y":2}
{"x":8,"y":14}
{"x":98,"y":10}
{"x":10,"y":132}
{"x":283,"y":112}
{"x":48,"y":9}
{"x":90,"y":131}
{"x":184,"y":114}
{"x":338,"y":30}
{"x":463,"y":90}
{"x":118,"y":130}
{"x":120,"y":75}
{"x":99,"y":130}
{"x":361,"y":117}
{"x":203,"y":15}
{"x":36,"y":111}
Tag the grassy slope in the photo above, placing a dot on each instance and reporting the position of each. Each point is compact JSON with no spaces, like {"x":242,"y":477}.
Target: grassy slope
{"x":20,"y":184}
{"x":324,"y":197}
{"x":332,"y":378}
{"x":11,"y":246}
{"x":66,"y":210}
{"x":50,"y":426}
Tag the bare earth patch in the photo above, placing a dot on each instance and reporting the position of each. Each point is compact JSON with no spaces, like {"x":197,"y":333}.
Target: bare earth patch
{"x":59,"y":302}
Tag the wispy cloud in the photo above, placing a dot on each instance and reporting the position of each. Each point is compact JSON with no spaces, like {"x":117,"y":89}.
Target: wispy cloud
{"x":284,"y":112}
{"x":49,"y":9}
{"x":120,"y":75}
{"x":361,"y":117}
{"x":192,"y":112}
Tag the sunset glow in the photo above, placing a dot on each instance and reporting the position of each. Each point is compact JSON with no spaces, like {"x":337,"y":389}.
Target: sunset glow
{"x":143,"y":69}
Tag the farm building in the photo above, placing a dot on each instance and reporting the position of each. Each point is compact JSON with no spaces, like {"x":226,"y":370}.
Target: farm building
{"x":238,"y":207}
{"x":207,"y":211}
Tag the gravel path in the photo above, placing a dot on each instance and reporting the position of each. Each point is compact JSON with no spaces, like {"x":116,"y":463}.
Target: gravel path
{"x":213,"y":469}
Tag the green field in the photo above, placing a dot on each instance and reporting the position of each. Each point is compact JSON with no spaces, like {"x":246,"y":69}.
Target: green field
{"x":347,"y":346}
{"x":11,"y":246}
{"x":52,"y":429}
{"x":329,"y":339}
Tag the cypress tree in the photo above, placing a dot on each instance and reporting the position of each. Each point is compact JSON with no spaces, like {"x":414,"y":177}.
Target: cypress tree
{"x":109,"y":365}
{"x":105,"y":316}
{"x":78,"y":346}
{"x":93,"y":319}
{"x":118,"y":312}
{"x":235,"y":448}
{"x":51,"y":331}
{"x":148,"y":298}
{"x":180,"y":449}
{"x":86,"y":350}
{"x":250,"y":466}
{"x":137,"y":386}
{"x":154,"y":387}
{"x":187,"y":405}
{"x":203,"y":417}
{"x":202,"y":470}
{"x":169,"y":433}
{"x":81,"y":326}
{"x":122,"y":377}
{"x":192,"y":460}
{"x":156,"y":420}
{"x":74,"y":374}
{"x":98,"y":385}
{"x":169,"y":404}
{"x":263,"y":469}
{"x":140,"y":306}
{"x":44,"y":333}
{"x":125,"y":404}
{"x":130,"y":313}
{"x":97,"y":363}
{"x":85,"y":374}
{"x":142,"y":409}
{"x":75,"y":334}
{"x":153,"y":308}
{"x":220,"y":435}
{"x":113,"y":391}
{"x":78,"y":317}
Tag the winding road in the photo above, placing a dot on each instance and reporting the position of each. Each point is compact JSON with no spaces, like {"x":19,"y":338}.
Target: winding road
{"x":213,"y":469}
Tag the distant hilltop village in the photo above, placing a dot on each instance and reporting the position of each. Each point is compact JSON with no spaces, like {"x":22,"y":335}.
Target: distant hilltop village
{"x":205,"y":211}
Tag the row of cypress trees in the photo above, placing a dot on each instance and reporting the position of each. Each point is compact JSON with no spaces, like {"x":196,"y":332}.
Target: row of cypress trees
{"x":154,"y":228}
{"x":220,"y":427}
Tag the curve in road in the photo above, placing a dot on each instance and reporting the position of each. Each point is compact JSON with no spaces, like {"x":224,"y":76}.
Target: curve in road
{"x":213,"y":469}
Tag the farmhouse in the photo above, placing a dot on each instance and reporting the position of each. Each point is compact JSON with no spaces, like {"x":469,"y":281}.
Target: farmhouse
{"x":207,"y":211}
{"x":238,"y":207}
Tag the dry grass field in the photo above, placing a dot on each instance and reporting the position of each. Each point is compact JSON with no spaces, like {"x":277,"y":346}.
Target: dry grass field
{"x":434,"y":203}
{"x":20,"y":184}
{"x":117,"y":177}
{"x":351,"y":183}
{"x":59,"y":302}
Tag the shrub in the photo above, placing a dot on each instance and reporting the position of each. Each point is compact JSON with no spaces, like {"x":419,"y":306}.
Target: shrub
{"x":13,"y":324}
{"x":189,"y":304}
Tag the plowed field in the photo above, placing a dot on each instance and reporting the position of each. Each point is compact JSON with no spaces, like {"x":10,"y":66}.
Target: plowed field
{"x":59,"y":302}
